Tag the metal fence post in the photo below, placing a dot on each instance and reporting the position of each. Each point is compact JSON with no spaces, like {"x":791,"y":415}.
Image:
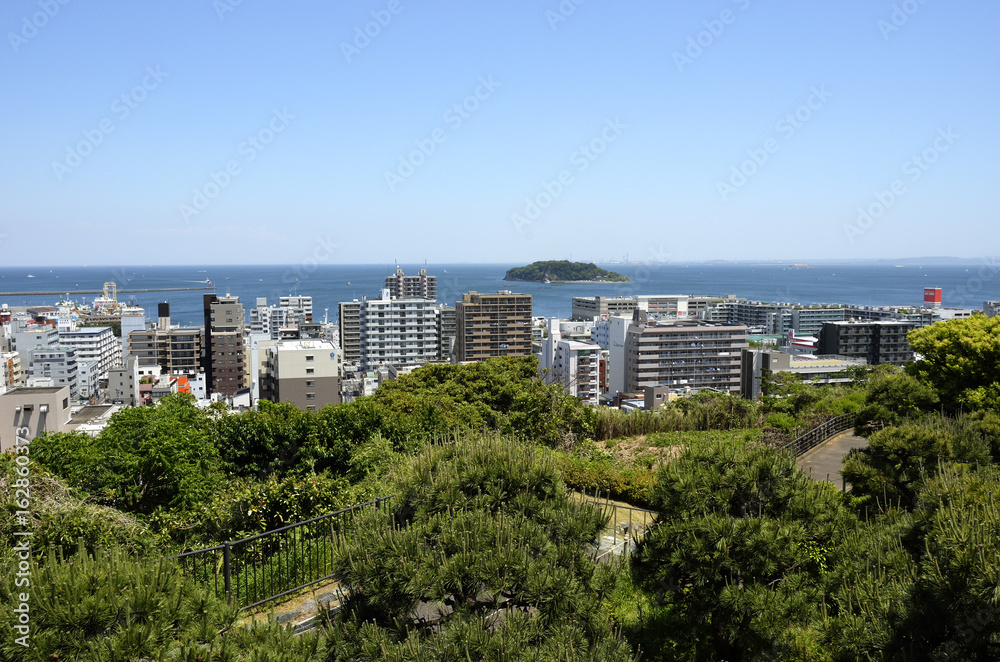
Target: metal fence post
{"x":227,"y":572}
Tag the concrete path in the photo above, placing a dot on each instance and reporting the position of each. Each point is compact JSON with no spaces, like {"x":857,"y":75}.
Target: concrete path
{"x":823,"y":462}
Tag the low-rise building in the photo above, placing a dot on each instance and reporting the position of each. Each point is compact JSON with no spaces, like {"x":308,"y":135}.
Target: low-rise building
{"x":991,"y":308}
{"x":306,"y":373}
{"x":587,"y":308}
{"x":815,"y":369}
{"x":874,"y":342}
{"x":26,"y":413}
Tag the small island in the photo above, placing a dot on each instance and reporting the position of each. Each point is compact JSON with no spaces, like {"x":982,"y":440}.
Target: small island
{"x":564,"y":271}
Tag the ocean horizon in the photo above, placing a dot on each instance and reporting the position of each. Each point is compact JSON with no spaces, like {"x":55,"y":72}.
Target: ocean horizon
{"x":965,"y":284}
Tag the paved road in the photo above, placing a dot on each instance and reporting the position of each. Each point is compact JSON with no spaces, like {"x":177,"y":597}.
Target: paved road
{"x":823,"y":462}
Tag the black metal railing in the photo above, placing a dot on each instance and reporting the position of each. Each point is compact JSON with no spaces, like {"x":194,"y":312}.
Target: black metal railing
{"x":820,"y":433}
{"x":273,"y":564}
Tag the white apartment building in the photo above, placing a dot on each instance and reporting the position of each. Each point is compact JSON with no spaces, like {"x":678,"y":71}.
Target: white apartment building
{"x":291,"y":311}
{"x":94,"y":344}
{"x":557,"y":330}
{"x":55,"y":363}
{"x":25,"y":338}
{"x":398,"y":332}
{"x":576,"y":367}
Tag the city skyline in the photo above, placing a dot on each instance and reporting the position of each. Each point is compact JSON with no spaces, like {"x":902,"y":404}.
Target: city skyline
{"x":233,"y":132}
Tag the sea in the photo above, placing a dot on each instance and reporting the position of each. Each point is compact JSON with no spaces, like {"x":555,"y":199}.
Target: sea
{"x":964,"y":285}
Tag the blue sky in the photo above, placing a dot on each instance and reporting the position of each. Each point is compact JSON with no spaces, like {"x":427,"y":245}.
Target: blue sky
{"x":730,"y":129}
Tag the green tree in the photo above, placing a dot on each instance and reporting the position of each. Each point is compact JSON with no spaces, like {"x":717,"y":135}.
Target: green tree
{"x":147,"y":458}
{"x":891,"y":397}
{"x":959,"y":360}
{"x":109,"y":607}
{"x":888,"y":472}
{"x":738,"y":554}
{"x":481,"y":556}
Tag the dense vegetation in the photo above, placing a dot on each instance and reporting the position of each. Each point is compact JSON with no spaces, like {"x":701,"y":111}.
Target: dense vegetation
{"x":555,"y":271}
{"x":485,"y":554}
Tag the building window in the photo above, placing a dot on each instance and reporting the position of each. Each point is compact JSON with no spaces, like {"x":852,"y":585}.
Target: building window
{"x":309,"y":357}
{"x":310,"y":382}
{"x":310,"y":396}
{"x":310,"y":371}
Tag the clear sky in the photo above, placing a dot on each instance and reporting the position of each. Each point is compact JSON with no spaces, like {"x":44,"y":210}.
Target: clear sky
{"x":496,"y":131}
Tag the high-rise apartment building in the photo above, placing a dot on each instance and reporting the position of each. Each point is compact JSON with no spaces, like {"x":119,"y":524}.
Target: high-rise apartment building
{"x":94,"y":344}
{"x":489,"y":325}
{"x":177,"y":350}
{"x":446,"y":332}
{"x":577,"y":368}
{"x":398,"y":332}
{"x":682,"y":354}
{"x":420,"y":286}
{"x":350,"y":330}
{"x":225,"y":354}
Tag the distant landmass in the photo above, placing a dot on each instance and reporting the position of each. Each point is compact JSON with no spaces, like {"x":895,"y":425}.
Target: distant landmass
{"x":564,"y":271}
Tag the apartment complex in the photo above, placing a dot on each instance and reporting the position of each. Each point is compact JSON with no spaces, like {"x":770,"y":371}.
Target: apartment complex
{"x":54,"y":366}
{"x":577,"y":368}
{"x":350,"y":330}
{"x":875,"y":342}
{"x":94,"y":344}
{"x":398,"y":332}
{"x":446,"y":321}
{"x":306,"y":373}
{"x":682,"y":354}
{"x":991,"y":308}
{"x":489,"y":325}
{"x":420,"y":286}
{"x":225,"y":355}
